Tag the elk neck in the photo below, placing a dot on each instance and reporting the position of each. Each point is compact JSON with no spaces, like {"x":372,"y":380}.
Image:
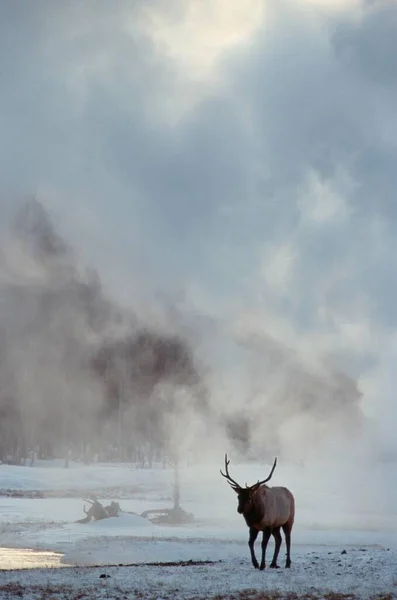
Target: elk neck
{"x":256,"y":509}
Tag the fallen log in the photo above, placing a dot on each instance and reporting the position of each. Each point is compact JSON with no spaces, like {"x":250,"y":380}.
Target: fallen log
{"x":168,"y":516}
{"x":97,"y":511}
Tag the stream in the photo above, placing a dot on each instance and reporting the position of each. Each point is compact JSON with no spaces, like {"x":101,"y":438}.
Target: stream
{"x":25,"y":558}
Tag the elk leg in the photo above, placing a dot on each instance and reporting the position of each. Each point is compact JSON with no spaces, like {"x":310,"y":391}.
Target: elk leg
{"x":287,"y":532}
{"x":277,"y":540}
{"x":253,"y":535}
{"x":266,"y":536}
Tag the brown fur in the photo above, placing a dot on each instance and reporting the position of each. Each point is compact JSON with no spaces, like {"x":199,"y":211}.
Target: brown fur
{"x":266,"y":509}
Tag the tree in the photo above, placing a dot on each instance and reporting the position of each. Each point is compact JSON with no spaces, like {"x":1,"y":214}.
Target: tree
{"x":132,"y":368}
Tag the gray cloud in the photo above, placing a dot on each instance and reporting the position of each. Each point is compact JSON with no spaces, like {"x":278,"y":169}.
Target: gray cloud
{"x":368,"y":42}
{"x":264,"y":185}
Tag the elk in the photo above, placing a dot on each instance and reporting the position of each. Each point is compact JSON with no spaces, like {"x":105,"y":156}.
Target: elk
{"x":266,"y":509}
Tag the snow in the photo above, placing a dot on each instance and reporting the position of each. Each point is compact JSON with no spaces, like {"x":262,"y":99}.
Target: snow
{"x":51,"y":475}
{"x":361,"y":573}
{"x":364,"y":524}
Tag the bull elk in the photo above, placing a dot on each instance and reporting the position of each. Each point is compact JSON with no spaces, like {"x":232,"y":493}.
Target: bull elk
{"x":266,"y":509}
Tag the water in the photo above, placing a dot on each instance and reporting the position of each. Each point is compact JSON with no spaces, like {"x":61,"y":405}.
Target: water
{"x":25,"y":558}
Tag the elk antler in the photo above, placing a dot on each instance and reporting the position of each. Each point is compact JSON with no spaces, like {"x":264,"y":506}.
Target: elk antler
{"x":271,"y":473}
{"x":226,"y":475}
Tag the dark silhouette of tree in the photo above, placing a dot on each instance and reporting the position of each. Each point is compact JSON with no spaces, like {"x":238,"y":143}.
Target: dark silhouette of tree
{"x":130,"y":368}
{"x":33,"y":226}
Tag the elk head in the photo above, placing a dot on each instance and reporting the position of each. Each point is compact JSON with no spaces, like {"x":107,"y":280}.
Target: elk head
{"x":244,"y":495}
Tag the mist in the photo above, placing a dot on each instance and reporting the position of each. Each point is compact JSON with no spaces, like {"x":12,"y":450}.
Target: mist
{"x":224,"y":180}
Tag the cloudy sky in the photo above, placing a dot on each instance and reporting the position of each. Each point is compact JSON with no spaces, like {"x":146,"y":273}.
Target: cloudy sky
{"x":239,"y":156}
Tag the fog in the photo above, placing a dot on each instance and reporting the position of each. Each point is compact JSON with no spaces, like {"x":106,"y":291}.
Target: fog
{"x":221,"y":178}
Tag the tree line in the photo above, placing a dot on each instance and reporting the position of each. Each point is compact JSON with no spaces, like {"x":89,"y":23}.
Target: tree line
{"x":79,"y":377}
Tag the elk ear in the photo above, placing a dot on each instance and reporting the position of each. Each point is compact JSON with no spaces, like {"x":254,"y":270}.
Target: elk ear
{"x":236,"y":489}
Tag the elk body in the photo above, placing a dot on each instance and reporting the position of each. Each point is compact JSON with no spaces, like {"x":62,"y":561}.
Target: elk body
{"x":266,"y":509}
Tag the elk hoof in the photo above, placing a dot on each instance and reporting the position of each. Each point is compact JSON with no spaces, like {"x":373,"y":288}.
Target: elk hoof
{"x":287,"y":565}
{"x":274,"y":566}
{"x":262,"y":567}
{"x":256,"y":565}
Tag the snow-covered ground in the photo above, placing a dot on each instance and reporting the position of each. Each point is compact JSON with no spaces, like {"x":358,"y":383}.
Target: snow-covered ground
{"x":338,"y":508}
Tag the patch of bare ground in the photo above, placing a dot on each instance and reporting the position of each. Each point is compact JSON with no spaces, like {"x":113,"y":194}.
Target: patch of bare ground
{"x":57,"y":592}
{"x":179,"y":563}
{"x":47,"y":591}
{"x":260,"y":595}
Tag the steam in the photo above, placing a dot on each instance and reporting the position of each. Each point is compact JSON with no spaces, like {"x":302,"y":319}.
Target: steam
{"x":237,"y":196}
{"x":77,"y":364}
{"x":71,"y":358}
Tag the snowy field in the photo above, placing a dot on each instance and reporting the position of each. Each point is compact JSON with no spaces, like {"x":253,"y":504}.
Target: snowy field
{"x":344,"y":540}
